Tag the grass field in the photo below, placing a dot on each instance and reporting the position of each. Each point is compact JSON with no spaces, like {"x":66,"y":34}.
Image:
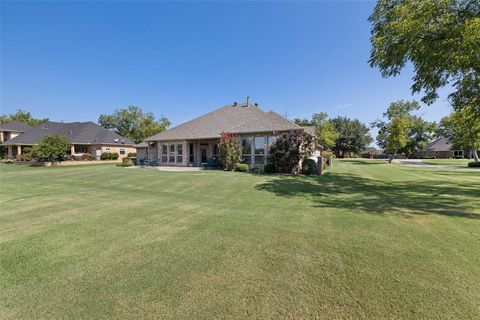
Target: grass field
{"x":448,"y":162}
{"x":367,"y":240}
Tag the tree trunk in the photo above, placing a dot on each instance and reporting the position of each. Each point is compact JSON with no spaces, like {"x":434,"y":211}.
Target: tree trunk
{"x":475,"y":155}
{"x":392,"y":157}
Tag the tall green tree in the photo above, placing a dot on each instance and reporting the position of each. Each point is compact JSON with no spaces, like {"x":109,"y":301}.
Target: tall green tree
{"x":133,"y":123}
{"x":401,"y":131}
{"x":441,"y":38}
{"x":420,"y":132}
{"x":324,"y":129}
{"x":23,"y":116}
{"x":353,"y":137}
{"x":462,"y":128}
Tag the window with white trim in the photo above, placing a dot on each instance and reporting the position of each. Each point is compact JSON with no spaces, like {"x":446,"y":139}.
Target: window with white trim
{"x":171,"y":154}
{"x":247,"y":150}
{"x":259,"y":143}
{"x":179,"y":153}
{"x":164,"y":153}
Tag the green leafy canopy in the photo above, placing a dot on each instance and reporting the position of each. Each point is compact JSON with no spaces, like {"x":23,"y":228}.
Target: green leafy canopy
{"x":133,"y":123}
{"x":441,"y":38}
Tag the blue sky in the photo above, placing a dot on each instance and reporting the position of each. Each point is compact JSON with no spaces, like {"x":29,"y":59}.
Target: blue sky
{"x":72,"y":61}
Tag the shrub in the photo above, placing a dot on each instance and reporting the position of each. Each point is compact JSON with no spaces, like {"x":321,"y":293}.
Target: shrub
{"x":51,"y":148}
{"x":269,"y":168}
{"x":126,"y":162}
{"x":109,"y":156}
{"x":86,"y":157}
{"x":229,"y":150}
{"x":256,"y":170}
{"x":309,"y":166}
{"x":241,"y":167}
{"x":474,"y":164}
{"x":289,"y":149}
{"x":106,"y":156}
{"x":24,"y":157}
{"x":132,"y":155}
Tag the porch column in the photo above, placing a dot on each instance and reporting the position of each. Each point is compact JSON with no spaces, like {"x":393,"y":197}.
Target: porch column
{"x":10,"y":151}
{"x":72,"y":150}
{"x":1,"y":137}
{"x":19,"y":150}
{"x":185,"y":153}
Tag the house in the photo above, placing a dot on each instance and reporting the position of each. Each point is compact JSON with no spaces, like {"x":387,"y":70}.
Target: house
{"x":12,"y":129}
{"x":443,"y":149}
{"x":84,"y":137}
{"x":197,"y":141}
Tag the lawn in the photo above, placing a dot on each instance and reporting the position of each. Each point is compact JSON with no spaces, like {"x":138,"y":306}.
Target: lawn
{"x":448,"y":162}
{"x":367,"y":240}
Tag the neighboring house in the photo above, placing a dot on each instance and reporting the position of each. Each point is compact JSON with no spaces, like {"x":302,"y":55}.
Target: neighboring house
{"x":441,"y":148}
{"x":12,"y":129}
{"x":84,"y":137}
{"x":197,"y":141}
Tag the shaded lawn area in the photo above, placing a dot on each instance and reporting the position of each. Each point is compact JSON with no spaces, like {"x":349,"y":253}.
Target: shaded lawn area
{"x":372,"y":241}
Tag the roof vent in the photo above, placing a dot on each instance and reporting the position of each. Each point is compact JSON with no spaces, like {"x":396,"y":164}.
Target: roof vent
{"x":116,"y":140}
{"x":235,"y":104}
{"x":256,"y":104}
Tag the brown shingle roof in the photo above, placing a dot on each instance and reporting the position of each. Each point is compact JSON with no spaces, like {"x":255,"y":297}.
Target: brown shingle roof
{"x":441,"y":144}
{"x":240,"y":118}
{"x":75,"y":132}
{"x":14,"y":126}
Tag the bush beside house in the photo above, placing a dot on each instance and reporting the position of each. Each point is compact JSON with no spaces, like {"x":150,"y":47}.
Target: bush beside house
{"x":109,"y":156}
{"x":51,"y":148}
{"x":241,"y":167}
{"x":230,"y":152}
{"x":309,"y":167}
{"x":289,"y":150}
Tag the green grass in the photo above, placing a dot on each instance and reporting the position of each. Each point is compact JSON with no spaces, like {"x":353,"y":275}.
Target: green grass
{"x":366,"y":240}
{"x":448,"y":162}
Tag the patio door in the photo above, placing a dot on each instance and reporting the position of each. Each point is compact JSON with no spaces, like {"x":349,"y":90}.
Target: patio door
{"x":203,"y":153}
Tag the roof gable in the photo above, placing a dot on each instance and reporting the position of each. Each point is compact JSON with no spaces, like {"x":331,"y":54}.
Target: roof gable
{"x":236,"y":118}
{"x":15,"y":126}
{"x":441,"y":144}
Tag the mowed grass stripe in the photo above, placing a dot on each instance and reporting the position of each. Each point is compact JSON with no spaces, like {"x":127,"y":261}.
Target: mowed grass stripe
{"x":365,"y":240}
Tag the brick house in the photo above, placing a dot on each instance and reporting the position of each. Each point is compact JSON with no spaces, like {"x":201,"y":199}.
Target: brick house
{"x":197,"y":141}
{"x":84,"y":137}
{"x":441,"y":148}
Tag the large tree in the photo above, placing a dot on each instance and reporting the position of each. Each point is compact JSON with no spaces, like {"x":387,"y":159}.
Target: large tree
{"x":401,"y":131}
{"x":462,"y":128}
{"x":133,"y":123}
{"x":441,"y":38}
{"x":23,"y":116}
{"x":353,"y":137}
{"x":324,"y":129}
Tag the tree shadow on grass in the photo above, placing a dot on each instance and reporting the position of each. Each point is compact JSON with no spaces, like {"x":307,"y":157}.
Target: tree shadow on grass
{"x":347,"y":191}
{"x":364,"y":162}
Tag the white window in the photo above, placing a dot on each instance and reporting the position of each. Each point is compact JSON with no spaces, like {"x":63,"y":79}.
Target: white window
{"x":247,"y":150}
{"x":164,"y":153}
{"x":179,"y":153}
{"x":171,"y":156}
{"x":122,"y":151}
{"x":259,"y":150}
